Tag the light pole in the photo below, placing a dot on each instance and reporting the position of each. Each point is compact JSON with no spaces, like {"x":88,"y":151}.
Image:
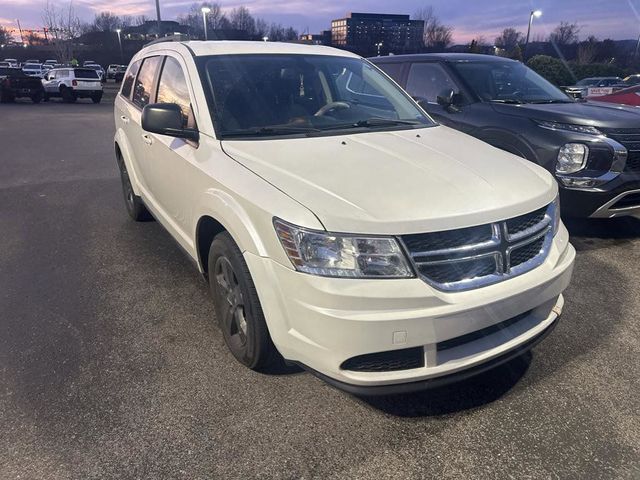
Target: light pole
{"x":265,"y":39}
{"x":120,"y":43}
{"x":205,"y":10}
{"x":379,"y":45}
{"x":534,"y":13}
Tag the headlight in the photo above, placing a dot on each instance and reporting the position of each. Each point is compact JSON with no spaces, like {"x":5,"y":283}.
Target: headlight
{"x":569,"y":127}
{"x":572,"y":158}
{"x":342,"y":255}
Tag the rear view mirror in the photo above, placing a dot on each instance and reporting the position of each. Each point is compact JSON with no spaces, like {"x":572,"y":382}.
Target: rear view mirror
{"x":166,"y":119}
{"x":450,"y":100}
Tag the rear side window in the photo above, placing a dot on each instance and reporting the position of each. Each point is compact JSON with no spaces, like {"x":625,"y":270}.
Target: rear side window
{"x":143,"y":86}
{"x":127,"y":83}
{"x":427,"y":80}
{"x":172,"y":88}
{"x":86,"y":73}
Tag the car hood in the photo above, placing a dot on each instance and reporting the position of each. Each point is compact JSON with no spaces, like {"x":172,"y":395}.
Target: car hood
{"x":398,"y":182}
{"x":579,"y":113}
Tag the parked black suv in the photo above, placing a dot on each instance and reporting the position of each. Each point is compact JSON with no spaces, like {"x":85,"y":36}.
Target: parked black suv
{"x":593,"y":149}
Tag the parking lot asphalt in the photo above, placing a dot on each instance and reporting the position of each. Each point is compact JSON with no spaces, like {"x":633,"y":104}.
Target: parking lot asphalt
{"x":111,"y":365}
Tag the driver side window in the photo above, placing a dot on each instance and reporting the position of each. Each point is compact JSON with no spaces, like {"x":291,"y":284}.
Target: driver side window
{"x":428,"y":80}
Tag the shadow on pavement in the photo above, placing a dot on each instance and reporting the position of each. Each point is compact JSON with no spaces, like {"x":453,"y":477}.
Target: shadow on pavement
{"x":590,"y":234}
{"x":472,"y":393}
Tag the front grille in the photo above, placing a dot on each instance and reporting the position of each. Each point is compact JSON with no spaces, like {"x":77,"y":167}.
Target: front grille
{"x":520,"y":255}
{"x":629,"y":138}
{"x":468,"y":258}
{"x":404,"y":359}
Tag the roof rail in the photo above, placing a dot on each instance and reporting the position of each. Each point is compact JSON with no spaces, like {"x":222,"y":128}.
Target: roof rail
{"x":170,"y":38}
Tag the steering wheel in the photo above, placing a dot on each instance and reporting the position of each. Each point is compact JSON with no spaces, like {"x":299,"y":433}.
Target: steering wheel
{"x":331,"y":106}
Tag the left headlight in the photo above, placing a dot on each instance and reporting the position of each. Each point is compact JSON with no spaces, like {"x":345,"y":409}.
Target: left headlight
{"x":342,"y":255}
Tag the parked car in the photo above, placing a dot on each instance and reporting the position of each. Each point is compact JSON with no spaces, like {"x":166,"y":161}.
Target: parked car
{"x":14,"y":83}
{"x":594,"y":86}
{"x":592,"y":149}
{"x":632,"y":80}
{"x":33,"y":70}
{"x":73,"y":83}
{"x":51,"y":61}
{"x":120,"y":71}
{"x":12,"y":61}
{"x":32,"y":60}
{"x":111,"y":71}
{"x":627,"y":96}
{"x":5,"y":65}
{"x":339,"y":227}
{"x":88,"y":62}
{"x":98,"y":69}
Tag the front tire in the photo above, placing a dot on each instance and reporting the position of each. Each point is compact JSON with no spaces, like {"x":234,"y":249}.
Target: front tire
{"x":67,"y":95}
{"x":238,"y":308}
{"x":37,"y":97}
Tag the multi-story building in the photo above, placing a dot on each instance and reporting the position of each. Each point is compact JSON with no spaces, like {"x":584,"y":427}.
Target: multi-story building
{"x":363,"y":32}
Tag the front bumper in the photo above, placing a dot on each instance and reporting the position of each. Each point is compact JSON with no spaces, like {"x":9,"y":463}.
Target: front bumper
{"x":323,"y":322}
{"x":613,"y":199}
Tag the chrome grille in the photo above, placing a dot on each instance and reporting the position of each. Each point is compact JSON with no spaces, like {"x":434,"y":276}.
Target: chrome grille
{"x":629,"y":138}
{"x":466,"y":258}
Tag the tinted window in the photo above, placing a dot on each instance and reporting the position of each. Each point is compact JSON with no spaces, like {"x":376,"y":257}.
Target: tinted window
{"x":127,"y":83}
{"x":85,"y":73}
{"x":172,"y":88}
{"x":428,"y":80}
{"x":393,"y":70}
{"x":143,"y":87}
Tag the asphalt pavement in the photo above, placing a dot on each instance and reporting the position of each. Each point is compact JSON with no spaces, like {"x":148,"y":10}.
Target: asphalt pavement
{"x":111,"y":364}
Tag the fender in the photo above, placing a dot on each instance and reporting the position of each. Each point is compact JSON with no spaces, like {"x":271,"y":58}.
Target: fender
{"x":507,"y":141}
{"x":120,"y":139}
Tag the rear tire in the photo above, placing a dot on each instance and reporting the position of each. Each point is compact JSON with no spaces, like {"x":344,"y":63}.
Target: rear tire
{"x":135,"y":206}
{"x":237,"y":307}
{"x":96,"y":98}
{"x":67,"y":95}
{"x":7,"y":98}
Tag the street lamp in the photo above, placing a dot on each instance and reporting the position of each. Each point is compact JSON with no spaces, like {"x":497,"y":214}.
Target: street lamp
{"x":120,"y":43}
{"x":379,"y":45}
{"x":265,"y":39}
{"x":534,"y":13}
{"x":205,"y":10}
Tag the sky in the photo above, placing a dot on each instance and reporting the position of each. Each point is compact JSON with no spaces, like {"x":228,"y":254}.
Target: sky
{"x":616,"y":19}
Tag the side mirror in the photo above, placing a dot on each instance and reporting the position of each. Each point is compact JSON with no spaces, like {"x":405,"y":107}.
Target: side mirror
{"x":166,"y":119}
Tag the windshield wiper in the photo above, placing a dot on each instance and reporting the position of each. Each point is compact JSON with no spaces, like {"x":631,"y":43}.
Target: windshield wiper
{"x":555,"y":100}
{"x":510,"y":101}
{"x":373,"y":123}
{"x":266,"y":131}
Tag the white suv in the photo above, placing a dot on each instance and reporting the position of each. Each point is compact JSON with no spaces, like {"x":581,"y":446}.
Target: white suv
{"x":340,"y":228}
{"x":72,"y":83}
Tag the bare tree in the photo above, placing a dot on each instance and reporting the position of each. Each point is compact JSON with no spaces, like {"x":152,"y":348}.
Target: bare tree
{"x":241,"y":19}
{"x":216,"y":19}
{"x":5,"y":36}
{"x":64,"y":26}
{"x":588,"y":50}
{"x":436,"y":35}
{"x":262,"y":27}
{"x":106,"y":22}
{"x":508,"y":39}
{"x":139,"y":20}
{"x":565,"y":34}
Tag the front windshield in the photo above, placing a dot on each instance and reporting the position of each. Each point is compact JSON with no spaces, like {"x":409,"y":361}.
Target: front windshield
{"x":269,"y":95}
{"x":508,"y":82}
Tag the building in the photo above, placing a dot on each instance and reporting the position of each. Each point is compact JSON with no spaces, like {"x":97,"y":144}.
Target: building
{"x":322,"y":38}
{"x":361,"y":32}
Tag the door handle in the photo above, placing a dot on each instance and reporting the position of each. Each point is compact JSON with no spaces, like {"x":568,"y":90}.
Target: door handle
{"x":124,"y":119}
{"x":147,"y":139}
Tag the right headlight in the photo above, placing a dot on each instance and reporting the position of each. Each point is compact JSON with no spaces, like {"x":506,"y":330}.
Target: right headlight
{"x":572,"y":158}
{"x":342,"y":255}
